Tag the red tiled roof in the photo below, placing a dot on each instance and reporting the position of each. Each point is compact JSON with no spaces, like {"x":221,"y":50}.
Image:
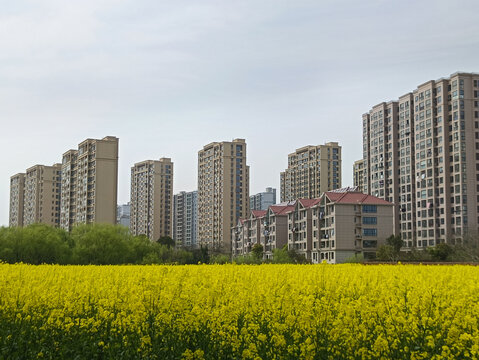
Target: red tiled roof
{"x":280,"y":209}
{"x":309,"y":202}
{"x":353,"y":197}
{"x":258,"y":213}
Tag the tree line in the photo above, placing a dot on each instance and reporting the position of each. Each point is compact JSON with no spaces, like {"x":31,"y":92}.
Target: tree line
{"x":103,"y":244}
{"x":97,"y":244}
{"x":465,"y":251}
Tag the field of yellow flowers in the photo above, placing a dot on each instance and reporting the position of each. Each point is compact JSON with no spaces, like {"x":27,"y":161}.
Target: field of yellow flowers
{"x":239,"y":312}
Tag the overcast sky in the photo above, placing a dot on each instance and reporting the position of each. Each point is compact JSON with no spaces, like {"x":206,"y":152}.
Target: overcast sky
{"x":168,"y":77}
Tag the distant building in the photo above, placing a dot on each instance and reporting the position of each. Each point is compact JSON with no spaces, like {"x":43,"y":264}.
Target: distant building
{"x":152,"y":198}
{"x":269,"y":228}
{"x":41,"y":200}
{"x":223,"y":192}
{"x":358,"y":175}
{"x":89,"y":183}
{"x":185,"y":219}
{"x":17,"y":186}
{"x":123,"y":215}
{"x":311,"y":171}
{"x":263,"y":200}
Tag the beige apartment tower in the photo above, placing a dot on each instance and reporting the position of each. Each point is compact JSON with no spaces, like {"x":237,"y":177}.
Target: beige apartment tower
{"x":41,"y":199}
{"x":223,"y":192}
{"x":17,"y":185}
{"x":421,"y":153}
{"x":152,"y":198}
{"x":89,"y":183}
{"x":358,"y":175}
{"x":311,"y":171}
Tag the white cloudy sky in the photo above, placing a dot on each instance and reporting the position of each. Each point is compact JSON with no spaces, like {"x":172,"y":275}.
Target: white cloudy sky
{"x":168,"y":77}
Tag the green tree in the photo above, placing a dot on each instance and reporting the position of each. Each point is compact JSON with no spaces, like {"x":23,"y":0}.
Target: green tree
{"x":35,"y":244}
{"x":10,"y":244}
{"x":167,"y":241}
{"x":141,"y":248}
{"x":385,"y":253}
{"x":220,"y":259}
{"x":281,"y":256}
{"x":441,"y":252}
{"x":102,"y":244}
{"x":257,"y":251}
{"x":297,"y":258}
{"x":355,"y":259}
{"x":390,"y":251}
{"x":201,"y":255}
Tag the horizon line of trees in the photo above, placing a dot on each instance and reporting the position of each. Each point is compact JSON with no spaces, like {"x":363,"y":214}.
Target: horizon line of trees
{"x":95,"y":244}
{"x":466,"y":251}
{"x":106,"y":244}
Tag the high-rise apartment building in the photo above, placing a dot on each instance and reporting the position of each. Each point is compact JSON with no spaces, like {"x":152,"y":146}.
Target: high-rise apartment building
{"x":41,"y":199}
{"x":185,"y":218}
{"x":89,"y":183}
{"x":358,"y":175}
{"x":68,"y":189}
{"x":311,"y":171}
{"x":223,"y":192}
{"x":263,"y":200}
{"x":17,"y":185}
{"x":420,"y":152}
{"x":151,"y":198}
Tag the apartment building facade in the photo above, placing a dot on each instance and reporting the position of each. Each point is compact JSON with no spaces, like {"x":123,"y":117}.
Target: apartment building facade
{"x":68,"y":189}
{"x":311,"y":171}
{"x":300,"y":232}
{"x":263,"y":200}
{"x":347,"y":223}
{"x":41,"y":198}
{"x":185,"y":219}
{"x":90,"y":182}
{"x":152,"y":198}
{"x":420,"y":152}
{"x":239,"y":238}
{"x":269,"y":228}
{"x":274,"y":228}
{"x":17,"y":188}
{"x":247,"y":233}
{"x":223,"y":192}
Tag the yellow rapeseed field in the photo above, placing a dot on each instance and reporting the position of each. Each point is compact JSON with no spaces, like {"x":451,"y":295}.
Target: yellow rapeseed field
{"x":239,"y":312}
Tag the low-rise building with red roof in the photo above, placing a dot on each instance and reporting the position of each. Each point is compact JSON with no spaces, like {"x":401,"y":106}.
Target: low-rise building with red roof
{"x":349,"y":223}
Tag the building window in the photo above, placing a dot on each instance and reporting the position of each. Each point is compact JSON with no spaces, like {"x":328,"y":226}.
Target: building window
{"x":370,"y":220}
{"x":369,"y":208}
{"x":370,"y":232}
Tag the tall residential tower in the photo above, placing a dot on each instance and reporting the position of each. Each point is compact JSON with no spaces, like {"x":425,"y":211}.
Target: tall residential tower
{"x":17,"y":186}
{"x":311,"y":171}
{"x":89,"y":183}
{"x":151,"y":198}
{"x":41,"y":200}
{"x":223,"y":192}
{"x":421,"y":153}
{"x":185,"y":219}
